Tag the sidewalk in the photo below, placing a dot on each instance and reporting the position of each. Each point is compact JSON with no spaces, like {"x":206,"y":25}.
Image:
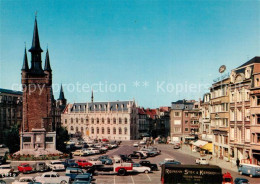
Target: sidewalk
{"x":215,"y":161}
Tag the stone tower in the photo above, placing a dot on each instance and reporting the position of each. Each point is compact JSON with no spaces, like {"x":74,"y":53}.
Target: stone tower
{"x":36,"y":132}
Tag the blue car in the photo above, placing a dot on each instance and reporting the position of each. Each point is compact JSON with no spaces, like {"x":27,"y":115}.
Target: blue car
{"x":169,"y":161}
{"x":105,"y":160}
{"x":241,"y":181}
{"x":249,"y":169}
{"x":83,"y":179}
{"x":74,"y":172}
{"x":70,"y":163}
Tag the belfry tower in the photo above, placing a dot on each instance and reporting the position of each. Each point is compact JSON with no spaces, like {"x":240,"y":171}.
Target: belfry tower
{"x":36,"y":130}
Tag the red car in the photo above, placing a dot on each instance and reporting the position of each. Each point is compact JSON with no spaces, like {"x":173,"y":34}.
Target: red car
{"x":25,"y":168}
{"x":84,"y":163}
{"x":105,"y":140}
{"x":227,"y":178}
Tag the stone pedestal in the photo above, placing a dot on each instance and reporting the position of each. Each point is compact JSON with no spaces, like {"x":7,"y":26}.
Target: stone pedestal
{"x":38,"y":142}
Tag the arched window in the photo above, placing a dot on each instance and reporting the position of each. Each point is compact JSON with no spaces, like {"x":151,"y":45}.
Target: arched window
{"x":92,"y":130}
{"x":114,"y":120}
{"x":71,"y":128}
{"x":77,"y":129}
{"x":82,"y":129}
{"x":81,"y":120}
{"x":97,"y":120}
{"x":77,"y":120}
{"x":120,"y":120}
{"x":92,"y":120}
{"x":71,"y":120}
{"x":108,"y":130}
{"x":103,"y":130}
{"x":108,"y":120}
{"x":97,"y":130}
{"x":114,"y":130}
{"x":119,"y":130}
{"x":125,"y":120}
{"x":125,"y":131}
{"x":103,"y":120}
{"x":87,"y":120}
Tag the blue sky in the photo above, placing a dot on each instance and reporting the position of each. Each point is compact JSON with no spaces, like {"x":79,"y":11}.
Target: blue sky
{"x":153,"y":51}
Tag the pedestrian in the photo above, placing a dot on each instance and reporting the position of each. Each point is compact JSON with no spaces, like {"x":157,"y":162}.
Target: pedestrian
{"x":238,"y":162}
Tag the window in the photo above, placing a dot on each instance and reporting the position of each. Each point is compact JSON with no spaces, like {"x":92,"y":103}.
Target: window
{"x":81,"y":120}
{"x":92,"y":130}
{"x":177,"y":129}
{"x":196,"y":106}
{"x":258,"y":100}
{"x":258,"y":119}
{"x":247,"y":136}
{"x":258,"y":138}
{"x":114,"y":120}
{"x":120,"y":120}
{"x":65,"y":120}
{"x":114,"y":130}
{"x":186,"y":114}
{"x":177,"y":122}
{"x":125,"y":120}
{"x":71,"y":120}
{"x":186,"y":129}
{"x":120,"y":130}
{"x":186,"y":122}
{"x":108,"y":121}
{"x":77,"y":120}
{"x":177,"y":114}
{"x":87,"y":120}
{"x":71,"y":128}
{"x":125,"y":131}
{"x":92,"y":120}
{"x":97,"y":120}
{"x":103,"y":120}
{"x":97,"y":130}
{"x":103,"y":130}
{"x":108,"y":130}
{"x":225,"y":139}
{"x":82,"y":129}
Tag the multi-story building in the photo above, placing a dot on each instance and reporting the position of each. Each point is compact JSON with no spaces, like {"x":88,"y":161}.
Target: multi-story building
{"x":243,"y":81}
{"x":10,"y":110}
{"x":96,"y":120}
{"x":255,"y":112}
{"x":163,"y":127}
{"x":219,"y":118}
{"x":184,"y":119}
{"x":205,"y":129}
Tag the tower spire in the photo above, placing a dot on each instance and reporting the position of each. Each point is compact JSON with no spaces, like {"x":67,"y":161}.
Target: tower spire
{"x":47,"y":66}
{"x":25,"y":61}
{"x":36,"y":41}
{"x":61,"y":97}
{"x":92,"y":96}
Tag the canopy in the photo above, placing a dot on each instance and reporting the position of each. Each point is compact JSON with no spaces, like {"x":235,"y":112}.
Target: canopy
{"x":208,"y":147}
{"x":200,"y":143}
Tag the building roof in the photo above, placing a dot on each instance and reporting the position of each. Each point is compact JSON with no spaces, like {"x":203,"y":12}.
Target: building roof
{"x":251,"y":61}
{"x":164,"y":109}
{"x":61,"y":97}
{"x":25,"y":61}
{"x":152,"y":113}
{"x":36,"y":41}
{"x":182,"y":105}
{"x":47,"y":66}
{"x":101,"y":106}
{"x":8,"y":91}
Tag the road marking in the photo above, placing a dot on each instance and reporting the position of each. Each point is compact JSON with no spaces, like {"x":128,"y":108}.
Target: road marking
{"x":148,"y":177}
{"x":133,"y":180}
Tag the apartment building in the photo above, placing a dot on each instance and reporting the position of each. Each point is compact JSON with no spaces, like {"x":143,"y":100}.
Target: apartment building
{"x":219,"y":118}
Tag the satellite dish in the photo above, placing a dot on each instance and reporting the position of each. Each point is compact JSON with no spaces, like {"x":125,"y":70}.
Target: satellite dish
{"x":222,"y":69}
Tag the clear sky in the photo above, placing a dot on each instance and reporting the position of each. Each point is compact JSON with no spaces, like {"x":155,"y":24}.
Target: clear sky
{"x":153,"y":51}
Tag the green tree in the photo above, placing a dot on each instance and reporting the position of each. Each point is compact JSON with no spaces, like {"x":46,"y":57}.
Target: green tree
{"x":62,"y":137}
{"x":12,"y":138}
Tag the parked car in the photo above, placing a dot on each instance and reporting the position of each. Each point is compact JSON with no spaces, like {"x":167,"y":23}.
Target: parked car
{"x":149,"y":152}
{"x":95,"y":161}
{"x":249,"y":169}
{"x":52,"y":177}
{"x":72,"y":172}
{"x":70,"y":163}
{"x":144,"y":153}
{"x":105,"y":160}
{"x":6,"y":170}
{"x":202,"y":161}
{"x":41,"y":167}
{"x":137,"y":155}
{"x":83,"y":179}
{"x":94,"y":150}
{"x":105,"y":140}
{"x":25,"y":168}
{"x":124,"y":158}
{"x":87,"y":151}
{"x":56,"y":165}
{"x":116,"y":158}
{"x":141,"y":169}
{"x":149,"y":164}
{"x":169,"y":161}
{"x":84,"y":163}
{"x":227,"y":178}
{"x":136,"y":144}
{"x":24,"y":180}
{"x":241,"y":181}
{"x":80,"y":153}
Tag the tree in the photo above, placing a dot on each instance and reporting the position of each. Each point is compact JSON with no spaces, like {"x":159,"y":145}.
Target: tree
{"x":62,"y":137}
{"x":12,"y":138}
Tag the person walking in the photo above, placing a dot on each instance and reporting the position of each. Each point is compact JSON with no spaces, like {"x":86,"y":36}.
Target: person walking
{"x":238,"y":163}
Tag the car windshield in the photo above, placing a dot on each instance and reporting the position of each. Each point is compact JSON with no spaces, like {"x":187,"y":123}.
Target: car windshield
{"x":26,"y":165}
{"x":56,"y":162}
{"x":136,"y":165}
{"x":227,"y":180}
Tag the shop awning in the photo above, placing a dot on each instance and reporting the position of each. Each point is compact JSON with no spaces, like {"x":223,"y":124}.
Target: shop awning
{"x":208,"y":146}
{"x":200,"y":143}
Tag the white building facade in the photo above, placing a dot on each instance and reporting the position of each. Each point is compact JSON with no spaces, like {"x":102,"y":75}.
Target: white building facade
{"x":98,"y":120}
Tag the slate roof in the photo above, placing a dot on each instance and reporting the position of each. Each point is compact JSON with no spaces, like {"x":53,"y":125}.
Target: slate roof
{"x":8,"y":91}
{"x":182,"y":105}
{"x":251,"y":61}
{"x":101,"y":106}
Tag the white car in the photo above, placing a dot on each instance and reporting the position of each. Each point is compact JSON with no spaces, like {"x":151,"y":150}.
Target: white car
{"x":24,"y":180}
{"x":104,"y":148}
{"x":136,"y":144}
{"x":5,"y":170}
{"x":87,"y":151}
{"x":94,"y":150}
{"x":52,"y":177}
{"x":202,"y":161}
{"x":116,"y":158}
{"x":56,"y":165}
{"x":141,"y":169}
{"x":114,"y":145}
{"x":80,"y":153}
{"x":95,"y":161}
